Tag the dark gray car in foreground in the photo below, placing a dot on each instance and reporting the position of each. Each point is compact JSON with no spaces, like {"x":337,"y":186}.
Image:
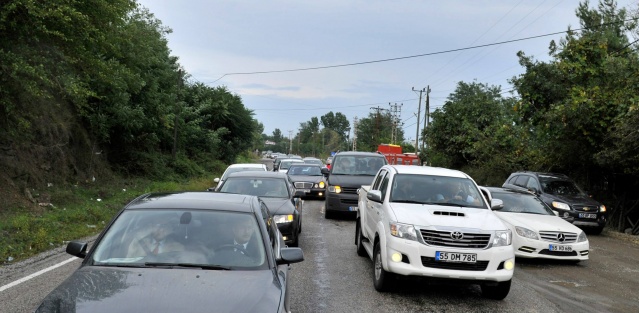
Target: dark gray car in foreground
{"x":175,"y":252}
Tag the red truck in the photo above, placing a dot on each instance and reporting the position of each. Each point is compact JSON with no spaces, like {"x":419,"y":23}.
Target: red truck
{"x":394,"y":155}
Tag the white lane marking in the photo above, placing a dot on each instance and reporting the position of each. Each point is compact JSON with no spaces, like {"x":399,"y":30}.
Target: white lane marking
{"x":36,"y":274}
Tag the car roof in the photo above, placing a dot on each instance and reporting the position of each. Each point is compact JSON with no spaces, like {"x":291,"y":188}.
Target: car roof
{"x":310,"y":158}
{"x":513,"y":189}
{"x":256,"y":165}
{"x":426,"y":170}
{"x":258,"y":175}
{"x":195,"y":200}
{"x":543,"y":174}
{"x":361,"y":153}
{"x":297,"y":164}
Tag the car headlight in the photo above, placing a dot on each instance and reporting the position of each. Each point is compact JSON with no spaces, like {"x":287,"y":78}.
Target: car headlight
{"x":502,"y":238}
{"x":560,"y":206}
{"x":335,"y":189}
{"x":279,"y":219}
{"x":403,"y":231}
{"x":525,"y":232}
{"x":582,"y":237}
{"x":602,"y":208}
{"x":322,"y":185}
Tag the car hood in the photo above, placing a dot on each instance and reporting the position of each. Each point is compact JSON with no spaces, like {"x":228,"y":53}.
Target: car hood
{"x":446,"y":217}
{"x":98,"y":289}
{"x":538,"y":222}
{"x":352,"y":181}
{"x":575,"y":200}
{"x":279,"y":205}
{"x":306,"y":178}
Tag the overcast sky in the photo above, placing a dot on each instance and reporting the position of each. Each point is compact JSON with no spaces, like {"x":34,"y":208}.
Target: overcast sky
{"x":215,"y":39}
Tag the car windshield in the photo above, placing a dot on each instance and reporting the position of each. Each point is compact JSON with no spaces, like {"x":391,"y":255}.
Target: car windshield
{"x":313,"y":161}
{"x":240,"y":169}
{"x":306,"y":170}
{"x":287,"y":163}
{"x":560,"y":187}
{"x":522,"y":203}
{"x":177,"y":238}
{"x":438,"y":190}
{"x":262,"y":187}
{"x":356,"y":165}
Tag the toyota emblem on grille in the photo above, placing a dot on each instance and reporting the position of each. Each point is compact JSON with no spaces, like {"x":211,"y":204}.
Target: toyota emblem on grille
{"x":457,"y":235}
{"x":561,"y":237}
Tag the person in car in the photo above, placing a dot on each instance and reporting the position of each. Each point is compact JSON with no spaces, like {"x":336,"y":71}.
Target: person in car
{"x":160,"y":238}
{"x":242,"y":247}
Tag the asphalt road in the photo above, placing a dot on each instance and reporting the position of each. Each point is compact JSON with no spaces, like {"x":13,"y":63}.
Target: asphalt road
{"x":334,"y":279}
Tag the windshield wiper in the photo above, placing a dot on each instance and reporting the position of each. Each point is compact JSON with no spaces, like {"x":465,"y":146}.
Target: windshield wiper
{"x":191,"y":265}
{"x":410,"y":201}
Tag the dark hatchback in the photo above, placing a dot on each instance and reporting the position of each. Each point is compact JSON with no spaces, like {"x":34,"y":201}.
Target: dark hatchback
{"x":564,"y":196}
{"x":193,"y":271}
{"x":309,"y":178}
{"x":277,"y":191}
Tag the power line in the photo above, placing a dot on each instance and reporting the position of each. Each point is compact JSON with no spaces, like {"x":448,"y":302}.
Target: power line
{"x":418,"y":55}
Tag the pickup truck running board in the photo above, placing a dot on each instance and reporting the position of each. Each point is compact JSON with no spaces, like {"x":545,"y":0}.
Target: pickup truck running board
{"x":368,"y":246}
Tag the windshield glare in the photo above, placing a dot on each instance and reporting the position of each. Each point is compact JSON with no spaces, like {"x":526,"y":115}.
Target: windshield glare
{"x":356,"y":165}
{"x":261,"y":187}
{"x":438,"y":190}
{"x":560,"y":187}
{"x":296,"y":170}
{"x":521,"y":203}
{"x":200,"y":237}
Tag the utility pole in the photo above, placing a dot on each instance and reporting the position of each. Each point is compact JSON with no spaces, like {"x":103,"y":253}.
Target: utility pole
{"x":355,"y":124}
{"x":419,"y":108}
{"x":290,"y":142}
{"x":377,"y":122}
{"x":396,"y":113}
{"x":427,"y":114}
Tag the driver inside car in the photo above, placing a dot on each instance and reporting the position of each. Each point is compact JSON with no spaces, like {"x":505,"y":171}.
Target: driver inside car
{"x":160,"y":237}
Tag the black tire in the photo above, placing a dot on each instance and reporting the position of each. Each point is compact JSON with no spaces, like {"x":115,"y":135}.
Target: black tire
{"x":361,"y":251}
{"x":382,"y":280}
{"x":328,"y":214}
{"x":496,"y":292}
{"x":595,"y":231}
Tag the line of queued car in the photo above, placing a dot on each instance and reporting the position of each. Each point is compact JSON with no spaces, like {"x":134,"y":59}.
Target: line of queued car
{"x":241,"y":239}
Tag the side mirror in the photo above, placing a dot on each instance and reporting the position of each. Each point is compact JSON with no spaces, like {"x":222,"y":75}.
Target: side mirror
{"x":77,"y":248}
{"x":216,"y":180}
{"x":496,"y":204}
{"x":290,"y":255}
{"x":374,"y":195}
{"x":325,"y":171}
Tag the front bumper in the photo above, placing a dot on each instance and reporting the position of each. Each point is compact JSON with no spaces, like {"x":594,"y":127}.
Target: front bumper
{"x":418,"y":259}
{"x":531,"y":248}
{"x":289,"y":231}
{"x":345,"y":202}
{"x":574,"y":218}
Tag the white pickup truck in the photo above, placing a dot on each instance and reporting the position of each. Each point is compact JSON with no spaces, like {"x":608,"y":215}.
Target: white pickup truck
{"x":433,"y":222}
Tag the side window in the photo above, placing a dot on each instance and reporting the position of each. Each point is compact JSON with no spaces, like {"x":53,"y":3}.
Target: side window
{"x":384,"y":186}
{"x":533,"y":184}
{"x":522,"y":181}
{"x":378,"y":180}
{"x":512,"y":180}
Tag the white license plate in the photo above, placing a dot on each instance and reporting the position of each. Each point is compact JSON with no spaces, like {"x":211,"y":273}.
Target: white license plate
{"x":587,"y":215}
{"x":307,"y":190}
{"x":455,"y":257}
{"x":352,"y":208}
{"x":560,"y":248}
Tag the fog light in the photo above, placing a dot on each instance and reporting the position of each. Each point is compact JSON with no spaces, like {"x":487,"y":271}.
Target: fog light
{"x":566,"y":214}
{"x":284,"y":237}
{"x":396,"y":257}
{"x":509,"y":264}
{"x":320,"y":194}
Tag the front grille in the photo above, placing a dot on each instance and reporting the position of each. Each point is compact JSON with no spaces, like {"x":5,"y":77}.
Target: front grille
{"x":477,"y":266}
{"x":444,"y":239}
{"x":586,"y":208}
{"x":348,"y":201}
{"x":303,"y":185}
{"x":558,"y":253}
{"x":351,"y":190}
{"x":552,"y":236}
